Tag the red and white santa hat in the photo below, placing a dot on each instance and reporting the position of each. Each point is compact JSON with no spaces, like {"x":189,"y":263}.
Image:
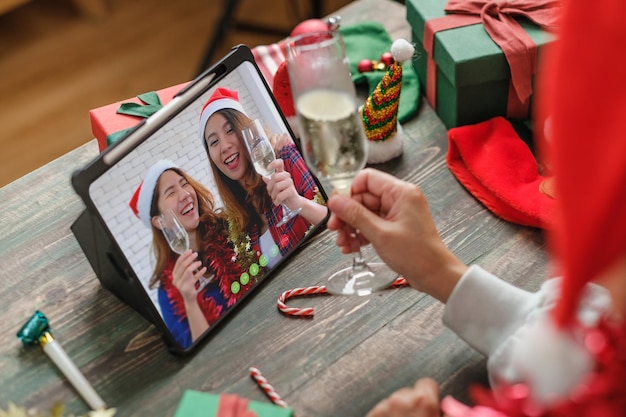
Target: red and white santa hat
{"x":141,"y":201}
{"x":590,"y":175}
{"x":222,"y":98}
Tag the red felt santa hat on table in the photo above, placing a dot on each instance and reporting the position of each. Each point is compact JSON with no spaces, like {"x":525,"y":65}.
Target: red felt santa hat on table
{"x":498,"y":168}
{"x":141,"y":201}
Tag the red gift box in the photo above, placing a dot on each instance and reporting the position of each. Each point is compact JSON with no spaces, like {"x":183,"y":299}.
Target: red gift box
{"x":106,"y":120}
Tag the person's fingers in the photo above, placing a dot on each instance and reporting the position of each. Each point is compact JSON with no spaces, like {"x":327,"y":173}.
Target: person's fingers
{"x":183,"y":260}
{"x":278,"y":165}
{"x":281,"y":187}
{"x":356,"y":215}
{"x":398,"y":404}
{"x":345,"y":242}
{"x":421,"y":400}
{"x":372,"y":181}
{"x":428,"y":396}
{"x":334,"y":222}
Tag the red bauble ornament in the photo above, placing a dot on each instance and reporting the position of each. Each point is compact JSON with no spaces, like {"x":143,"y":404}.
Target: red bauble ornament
{"x":365,"y":65}
{"x":309,"y":26}
{"x":387,"y":58}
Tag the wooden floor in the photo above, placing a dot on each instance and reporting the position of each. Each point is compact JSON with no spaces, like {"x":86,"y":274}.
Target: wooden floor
{"x":56,"y":64}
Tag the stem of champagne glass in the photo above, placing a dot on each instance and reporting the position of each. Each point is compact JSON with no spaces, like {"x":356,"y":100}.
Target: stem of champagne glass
{"x":358,"y":263}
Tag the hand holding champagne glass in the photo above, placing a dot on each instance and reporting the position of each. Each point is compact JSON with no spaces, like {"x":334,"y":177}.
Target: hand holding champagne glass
{"x":178,"y":239}
{"x":333,"y":137}
{"x":262,"y":154}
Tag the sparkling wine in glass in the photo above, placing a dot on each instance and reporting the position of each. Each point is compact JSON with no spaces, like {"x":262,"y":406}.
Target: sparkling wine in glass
{"x":178,"y":239}
{"x":262,"y":154}
{"x":333,"y":138}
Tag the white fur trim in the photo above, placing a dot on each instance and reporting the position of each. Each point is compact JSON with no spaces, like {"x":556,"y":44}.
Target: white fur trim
{"x":147,"y":189}
{"x":551,"y":360}
{"x":382,"y":151}
{"x":222,"y":103}
{"x":402,"y":50}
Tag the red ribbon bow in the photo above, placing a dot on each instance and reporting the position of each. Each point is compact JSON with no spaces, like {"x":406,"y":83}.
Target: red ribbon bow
{"x":231,"y":405}
{"x":498,"y":19}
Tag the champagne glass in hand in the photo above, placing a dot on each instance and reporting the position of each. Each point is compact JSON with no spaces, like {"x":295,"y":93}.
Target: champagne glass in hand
{"x":333,"y":138}
{"x":262,"y":154}
{"x":178,"y":239}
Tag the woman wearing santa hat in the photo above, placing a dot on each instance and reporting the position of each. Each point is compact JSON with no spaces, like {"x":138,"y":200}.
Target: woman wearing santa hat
{"x":562,"y":350}
{"x":188,"y":312}
{"x":251,"y":201}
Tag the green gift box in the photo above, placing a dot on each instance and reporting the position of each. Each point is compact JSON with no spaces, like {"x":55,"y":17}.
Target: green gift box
{"x":204,"y":404}
{"x":473,"y":77}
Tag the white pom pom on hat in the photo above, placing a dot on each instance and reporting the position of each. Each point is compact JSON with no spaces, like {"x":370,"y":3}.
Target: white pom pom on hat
{"x":402,"y":50}
{"x":141,"y":200}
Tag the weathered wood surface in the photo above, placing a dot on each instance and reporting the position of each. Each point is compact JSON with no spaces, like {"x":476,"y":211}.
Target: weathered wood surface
{"x":354,"y":352}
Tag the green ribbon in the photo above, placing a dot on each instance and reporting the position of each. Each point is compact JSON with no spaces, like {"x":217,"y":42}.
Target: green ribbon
{"x":151,"y":103}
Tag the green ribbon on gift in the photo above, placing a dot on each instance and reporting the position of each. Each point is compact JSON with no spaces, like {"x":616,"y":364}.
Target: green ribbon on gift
{"x":369,"y":40}
{"x":151,"y":103}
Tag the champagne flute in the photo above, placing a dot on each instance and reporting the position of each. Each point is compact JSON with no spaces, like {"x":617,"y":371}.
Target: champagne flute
{"x":178,"y":240}
{"x":333,"y":138}
{"x":262,"y":154}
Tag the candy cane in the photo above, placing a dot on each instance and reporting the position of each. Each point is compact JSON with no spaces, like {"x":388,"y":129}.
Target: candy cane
{"x":400,"y":282}
{"x":267,"y":388}
{"x":318,"y":289}
{"x":293,"y":311}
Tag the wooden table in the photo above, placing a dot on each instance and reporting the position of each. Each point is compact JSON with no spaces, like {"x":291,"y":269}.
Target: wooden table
{"x":354,"y":352}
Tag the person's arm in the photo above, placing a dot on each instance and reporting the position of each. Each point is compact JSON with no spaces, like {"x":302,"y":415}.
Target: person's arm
{"x":394,"y":217}
{"x":282,"y":189}
{"x":293,"y":185}
{"x":197,"y":322}
{"x":185,"y":274}
{"x":177,"y":327}
{"x":484,"y":310}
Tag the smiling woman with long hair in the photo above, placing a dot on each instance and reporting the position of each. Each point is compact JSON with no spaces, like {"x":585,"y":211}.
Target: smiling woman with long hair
{"x":187,"y":311}
{"x":252,"y":202}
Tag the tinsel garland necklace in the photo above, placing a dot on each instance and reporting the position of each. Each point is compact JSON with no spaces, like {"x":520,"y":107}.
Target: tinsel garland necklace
{"x":232,"y":259}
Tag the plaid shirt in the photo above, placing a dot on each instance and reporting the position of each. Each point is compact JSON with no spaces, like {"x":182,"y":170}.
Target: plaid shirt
{"x":288,"y":235}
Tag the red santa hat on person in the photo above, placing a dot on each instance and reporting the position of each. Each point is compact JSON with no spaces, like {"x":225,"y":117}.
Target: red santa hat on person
{"x":222,"y":98}
{"x":141,"y":201}
{"x":590,"y":175}
{"x":589,"y":236}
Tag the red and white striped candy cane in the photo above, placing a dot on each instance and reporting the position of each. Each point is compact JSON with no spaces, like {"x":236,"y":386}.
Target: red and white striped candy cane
{"x":318,"y":289}
{"x":400,"y":282}
{"x":267,"y":388}
{"x":293,"y":311}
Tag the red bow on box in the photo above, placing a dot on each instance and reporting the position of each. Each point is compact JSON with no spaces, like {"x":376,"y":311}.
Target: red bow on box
{"x":498,"y":19}
{"x":232,"y":405}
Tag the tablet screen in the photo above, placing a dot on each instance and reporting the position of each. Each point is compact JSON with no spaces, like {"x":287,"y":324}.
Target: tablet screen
{"x":198,"y":225}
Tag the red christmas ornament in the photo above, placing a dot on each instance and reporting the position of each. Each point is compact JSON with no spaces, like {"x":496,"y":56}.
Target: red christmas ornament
{"x":387,"y":58}
{"x":365,"y":65}
{"x":309,"y":26}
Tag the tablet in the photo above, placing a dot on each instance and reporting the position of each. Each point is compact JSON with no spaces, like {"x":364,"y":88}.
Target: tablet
{"x":178,"y":222}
